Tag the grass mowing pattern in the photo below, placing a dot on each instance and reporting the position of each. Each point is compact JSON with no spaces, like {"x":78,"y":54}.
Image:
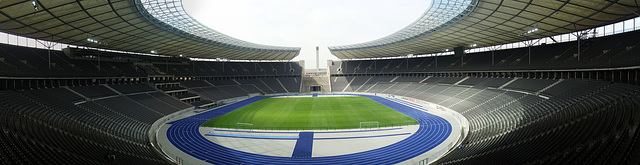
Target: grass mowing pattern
{"x":311,"y":112}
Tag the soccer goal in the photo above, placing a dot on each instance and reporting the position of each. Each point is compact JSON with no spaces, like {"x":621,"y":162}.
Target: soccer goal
{"x":245,"y":126}
{"x":369,"y":125}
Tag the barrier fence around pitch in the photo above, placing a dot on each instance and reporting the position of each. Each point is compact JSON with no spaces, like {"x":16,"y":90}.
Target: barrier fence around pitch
{"x":310,"y":128}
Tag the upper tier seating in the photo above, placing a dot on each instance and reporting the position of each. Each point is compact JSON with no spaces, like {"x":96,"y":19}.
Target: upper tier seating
{"x":29,"y":62}
{"x":618,"y":50}
{"x":202,"y":68}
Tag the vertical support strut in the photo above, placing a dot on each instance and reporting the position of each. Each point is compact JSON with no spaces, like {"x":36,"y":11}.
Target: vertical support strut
{"x":49,"y":45}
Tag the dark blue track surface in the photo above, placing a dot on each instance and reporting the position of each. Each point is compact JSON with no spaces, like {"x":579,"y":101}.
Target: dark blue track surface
{"x":304,"y":146}
{"x":185,"y":135}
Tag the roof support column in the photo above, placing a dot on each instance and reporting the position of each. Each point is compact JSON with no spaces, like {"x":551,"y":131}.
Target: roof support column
{"x":49,"y":45}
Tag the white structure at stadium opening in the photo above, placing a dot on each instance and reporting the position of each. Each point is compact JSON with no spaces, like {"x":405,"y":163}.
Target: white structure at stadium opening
{"x":172,"y":12}
{"x":441,"y":14}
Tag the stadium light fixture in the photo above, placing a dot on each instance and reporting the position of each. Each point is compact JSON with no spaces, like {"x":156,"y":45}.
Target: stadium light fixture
{"x":473,"y":45}
{"x":35,"y":4}
{"x":530,"y":31}
{"x":153,"y":52}
{"x":95,"y":41}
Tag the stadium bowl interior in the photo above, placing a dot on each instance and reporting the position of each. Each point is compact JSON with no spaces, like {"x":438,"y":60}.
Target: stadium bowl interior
{"x":97,"y":102}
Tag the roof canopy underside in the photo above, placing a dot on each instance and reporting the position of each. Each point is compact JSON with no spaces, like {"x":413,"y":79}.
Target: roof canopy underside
{"x":495,"y":22}
{"x":122,"y":26}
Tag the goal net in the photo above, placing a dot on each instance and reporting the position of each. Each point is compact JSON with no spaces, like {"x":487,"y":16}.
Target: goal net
{"x":369,"y":125}
{"x":246,"y":126}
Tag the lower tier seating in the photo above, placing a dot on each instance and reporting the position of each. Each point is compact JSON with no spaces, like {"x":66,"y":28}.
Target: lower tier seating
{"x":561,"y":121}
{"x":583,"y":121}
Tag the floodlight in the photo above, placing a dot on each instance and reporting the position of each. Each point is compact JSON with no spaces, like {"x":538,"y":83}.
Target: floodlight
{"x":35,"y":5}
{"x":530,"y":31}
{"x":93,"y":40}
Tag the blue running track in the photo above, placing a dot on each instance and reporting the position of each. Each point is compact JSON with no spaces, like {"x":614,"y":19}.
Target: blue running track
{"x":185,"y":135}
{"x":304,"y":146}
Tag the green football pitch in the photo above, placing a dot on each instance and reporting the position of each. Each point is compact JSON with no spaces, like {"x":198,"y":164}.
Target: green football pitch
{"x":311,"y":113}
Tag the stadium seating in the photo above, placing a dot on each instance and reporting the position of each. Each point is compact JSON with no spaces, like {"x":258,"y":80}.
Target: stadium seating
{"x":104,"y":118}
{"x":581,"y":117}
{"x":23,"y":61}
{"x":618,"y":50}
{"x":41,"y":129}
{"x":519,"y":112}
{"x":232,"y":68}
{"x":132,"y":88}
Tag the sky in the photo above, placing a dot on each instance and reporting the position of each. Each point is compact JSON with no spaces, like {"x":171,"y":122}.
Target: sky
{"x":307,"y":23}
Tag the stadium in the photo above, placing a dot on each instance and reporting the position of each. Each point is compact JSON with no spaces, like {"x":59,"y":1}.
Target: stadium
{"x":469,"y":82}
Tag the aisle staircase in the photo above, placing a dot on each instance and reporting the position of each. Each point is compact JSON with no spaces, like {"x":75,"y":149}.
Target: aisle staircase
{"x":315,"y":78}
